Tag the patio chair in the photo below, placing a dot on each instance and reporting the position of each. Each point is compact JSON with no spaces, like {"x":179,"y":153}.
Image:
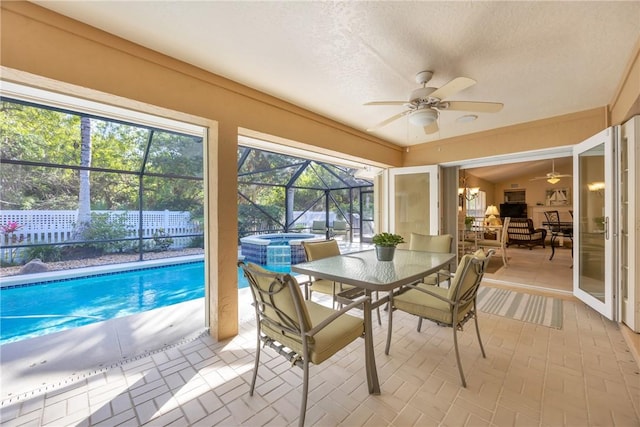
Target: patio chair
{"x":301,"y":331}
{"x":499,"y":244}
{"x":432,"y":243}
{"x":319,"y":227}
{"x":318,"y":250}
{"x":340,"y":228}
{"x":451,"y":307}
{"x":324,"y":249}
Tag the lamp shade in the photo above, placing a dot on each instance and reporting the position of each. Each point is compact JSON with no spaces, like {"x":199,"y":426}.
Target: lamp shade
{"x":553,"y":180}
{"x":423,"y":117}
{"x":492,"y":210}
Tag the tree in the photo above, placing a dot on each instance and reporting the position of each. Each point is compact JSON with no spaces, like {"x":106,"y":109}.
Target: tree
{"x":84,"y":193}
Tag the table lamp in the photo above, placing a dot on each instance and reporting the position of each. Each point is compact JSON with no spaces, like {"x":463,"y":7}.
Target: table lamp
{"x":493,"y":215}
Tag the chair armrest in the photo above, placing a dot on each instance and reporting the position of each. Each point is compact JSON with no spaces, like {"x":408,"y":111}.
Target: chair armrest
{"x":320,"y":326}
{"x":447,"y":274}
{"x":306,"y":284}
{"x":426,"y":291}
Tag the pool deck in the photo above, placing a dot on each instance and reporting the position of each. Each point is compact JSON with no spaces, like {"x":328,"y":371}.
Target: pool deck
{"x":34,"y":366}
{"x":44,"y":363}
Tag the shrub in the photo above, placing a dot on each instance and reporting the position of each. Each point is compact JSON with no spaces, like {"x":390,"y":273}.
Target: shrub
{"x":196,"y":242}
{"x":106,"y":227}
{"x":46,"y":253}
{"x":161,"y":240}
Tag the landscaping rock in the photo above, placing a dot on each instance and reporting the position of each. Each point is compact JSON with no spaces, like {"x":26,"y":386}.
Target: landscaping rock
{"x":34,"y":266}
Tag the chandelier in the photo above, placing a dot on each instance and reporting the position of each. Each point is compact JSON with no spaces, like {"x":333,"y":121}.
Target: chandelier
{"x":465,"y":191}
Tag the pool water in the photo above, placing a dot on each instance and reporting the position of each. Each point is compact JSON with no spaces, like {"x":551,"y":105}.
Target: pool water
{"x":39,"y":309}
{"x":242,"y":281}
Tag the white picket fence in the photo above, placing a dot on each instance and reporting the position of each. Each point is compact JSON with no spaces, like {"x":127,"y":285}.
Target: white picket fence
{"x":45,"y":227}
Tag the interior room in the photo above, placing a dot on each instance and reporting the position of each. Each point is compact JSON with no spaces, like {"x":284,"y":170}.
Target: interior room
{"x":523,"y":190}
{"x":450,"y":88}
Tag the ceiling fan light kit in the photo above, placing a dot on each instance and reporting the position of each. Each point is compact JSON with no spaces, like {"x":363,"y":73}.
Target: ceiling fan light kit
{"x":552,"y":177}
{"x":423,"y":117}
{"x":553,"y":180}
{"x":425,"y":103}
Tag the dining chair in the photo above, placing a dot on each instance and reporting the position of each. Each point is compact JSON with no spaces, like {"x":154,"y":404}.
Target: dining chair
{"x":314,"y":250}
{"x":432,"y":243}
{"x":558,"y":230}
{"x":499,"y":244}
{"x":451,"y":307}
{"x":300,"y":330}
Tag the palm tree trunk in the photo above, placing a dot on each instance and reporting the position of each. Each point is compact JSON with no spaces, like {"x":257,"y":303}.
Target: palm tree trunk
{"x":84,"y":193}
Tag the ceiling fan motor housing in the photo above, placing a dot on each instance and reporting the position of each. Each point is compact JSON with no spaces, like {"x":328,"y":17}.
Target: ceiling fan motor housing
{"x":423,"y":77}
{"x":421,"y":94}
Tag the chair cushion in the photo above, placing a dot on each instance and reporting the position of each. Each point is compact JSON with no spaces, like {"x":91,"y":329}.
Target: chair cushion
{"x":326,"y":286}
{"x":283,"y":300}
{"x":435,"y":278}
{"x":424,"y":305}
{"x":334,"y":337}
{"x":321,"y":249}
{"x":430,"y":243}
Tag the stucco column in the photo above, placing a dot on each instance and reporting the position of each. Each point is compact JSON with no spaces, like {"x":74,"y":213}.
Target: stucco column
{"x":223,"y":232}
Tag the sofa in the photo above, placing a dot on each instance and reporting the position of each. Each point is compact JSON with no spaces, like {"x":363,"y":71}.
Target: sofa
{"x":522,"y":233}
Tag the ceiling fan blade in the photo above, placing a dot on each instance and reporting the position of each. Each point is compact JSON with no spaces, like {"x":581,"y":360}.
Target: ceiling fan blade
{"x":480,"y":107}
{"x":432,"y":128}
{"x":387,"y":121}
{"x":386,"y":103}
{"x":454,"y":86}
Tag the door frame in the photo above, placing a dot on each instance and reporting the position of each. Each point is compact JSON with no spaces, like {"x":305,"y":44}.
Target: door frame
{"x":523,"y":156}
{"x":608,"y":307}
{"x":434,"y":195}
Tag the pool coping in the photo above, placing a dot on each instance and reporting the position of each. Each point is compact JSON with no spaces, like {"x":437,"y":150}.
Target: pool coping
{"x":264,"y":239}
{"x":50,"y":276}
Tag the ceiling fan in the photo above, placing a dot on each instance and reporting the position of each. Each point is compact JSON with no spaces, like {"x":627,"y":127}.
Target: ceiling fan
{"x":552,"y":177}
{"x":426,"y":103}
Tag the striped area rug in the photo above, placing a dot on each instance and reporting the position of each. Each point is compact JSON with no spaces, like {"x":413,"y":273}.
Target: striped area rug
{"x":541,"y":310}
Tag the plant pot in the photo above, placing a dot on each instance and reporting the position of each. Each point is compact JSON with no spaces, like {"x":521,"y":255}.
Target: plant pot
{"x":385,"y":253}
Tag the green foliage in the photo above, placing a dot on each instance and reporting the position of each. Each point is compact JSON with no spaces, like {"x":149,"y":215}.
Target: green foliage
{"x":251,"y":218}
{"x":161,"y":240}
{"x":9,"y":263}
{"x":196,"y":242}
{"x":106,"y":227}
{"x":43,"y":135}
{"x":468,"y":220}
{"x":387,"y":239}
{"x":48,"y":253}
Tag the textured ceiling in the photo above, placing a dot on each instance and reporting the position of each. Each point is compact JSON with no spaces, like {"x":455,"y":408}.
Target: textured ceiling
{"x":540,"y":59}
{"x":514,"y":171}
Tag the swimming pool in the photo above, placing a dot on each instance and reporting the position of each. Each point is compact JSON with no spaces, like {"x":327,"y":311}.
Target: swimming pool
{"x":36,"y":309}
{"x":28,"y":311}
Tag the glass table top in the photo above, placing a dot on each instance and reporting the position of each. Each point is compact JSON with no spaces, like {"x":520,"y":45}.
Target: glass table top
{"x":363,"y":269}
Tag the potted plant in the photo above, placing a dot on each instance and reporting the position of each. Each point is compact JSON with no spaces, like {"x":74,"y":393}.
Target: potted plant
{"x":468,"y":222}
{"x":386,"y":245}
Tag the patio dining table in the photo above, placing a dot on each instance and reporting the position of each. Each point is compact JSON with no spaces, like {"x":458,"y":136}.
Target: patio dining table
{"x":370,"y":276}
